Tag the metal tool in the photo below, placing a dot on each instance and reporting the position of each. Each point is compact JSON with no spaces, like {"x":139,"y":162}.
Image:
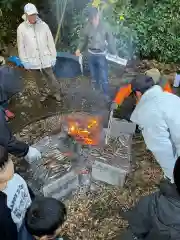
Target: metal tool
{"x":116,"y":59}
{"x":81,"y":63}
{"x":109,"y":127}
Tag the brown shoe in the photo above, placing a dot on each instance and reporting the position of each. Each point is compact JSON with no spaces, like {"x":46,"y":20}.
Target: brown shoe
{"x":57,"y":97}
{"x":43,"y":98}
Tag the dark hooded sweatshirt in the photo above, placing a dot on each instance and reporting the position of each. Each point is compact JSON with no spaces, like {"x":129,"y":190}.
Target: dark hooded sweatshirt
{"x":8,"y":229}
{"x":10,"y":84}
{"x":155,"y":217}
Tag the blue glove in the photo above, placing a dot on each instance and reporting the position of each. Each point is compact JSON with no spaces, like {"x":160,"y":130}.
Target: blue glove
{"x":53,"y":63}
{"x":15,"y":60}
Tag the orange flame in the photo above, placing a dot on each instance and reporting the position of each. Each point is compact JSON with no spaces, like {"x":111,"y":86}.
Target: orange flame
{"x":85,"y":128}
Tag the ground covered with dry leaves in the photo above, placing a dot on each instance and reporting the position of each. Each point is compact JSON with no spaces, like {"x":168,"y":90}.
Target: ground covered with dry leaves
{"x":96,"y":216}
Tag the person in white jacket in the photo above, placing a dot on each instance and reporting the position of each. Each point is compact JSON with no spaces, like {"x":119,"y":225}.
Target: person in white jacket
{"x":37,"y":51}
{"x":158,"y":116}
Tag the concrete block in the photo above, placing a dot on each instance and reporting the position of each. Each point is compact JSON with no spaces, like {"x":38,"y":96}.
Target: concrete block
{"x":62,"y":187}
{"x":118,"y":126}
{"x":109,"y":174}
{"x":113,"y":166}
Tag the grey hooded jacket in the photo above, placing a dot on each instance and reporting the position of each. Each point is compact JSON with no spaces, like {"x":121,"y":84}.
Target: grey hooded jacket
{"x":155,"y":217}
{"x":96,"y":38}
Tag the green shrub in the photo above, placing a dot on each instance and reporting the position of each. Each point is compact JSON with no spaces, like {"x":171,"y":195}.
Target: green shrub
{"x":10,"y":17}
{"x":150,"y":28}
{"x":157,"y":28}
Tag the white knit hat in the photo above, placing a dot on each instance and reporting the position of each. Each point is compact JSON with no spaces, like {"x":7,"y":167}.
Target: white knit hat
{"x":30,"y":9}
{"x":155,"y":74}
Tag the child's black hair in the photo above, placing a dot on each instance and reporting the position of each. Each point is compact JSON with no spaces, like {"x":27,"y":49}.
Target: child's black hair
{"x":45,"y":216}
{"x":3,"y":156}
{"x":176,"y":174}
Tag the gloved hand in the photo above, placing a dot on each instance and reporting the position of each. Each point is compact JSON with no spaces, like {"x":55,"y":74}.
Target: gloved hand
{"x":27,"y":65}
{"x":78,"y":53}
{"x":114,"y":106}
{"x":53,"y":63}
{"x":32,"y":155}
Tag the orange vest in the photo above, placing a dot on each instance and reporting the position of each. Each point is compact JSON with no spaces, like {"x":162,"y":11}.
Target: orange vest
{"x":126,"y":90}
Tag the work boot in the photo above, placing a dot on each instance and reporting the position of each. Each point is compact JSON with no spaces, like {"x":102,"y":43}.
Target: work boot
{"x":57,"y":96}
{"x":43,"y":94}
{"x":43,"y":98}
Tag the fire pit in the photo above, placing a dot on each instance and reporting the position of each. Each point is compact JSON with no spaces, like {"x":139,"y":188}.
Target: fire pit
{"x":74,"y":156}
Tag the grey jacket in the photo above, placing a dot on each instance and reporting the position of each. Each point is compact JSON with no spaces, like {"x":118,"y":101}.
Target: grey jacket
{"x":95,"y":38}
{"x":155,"y":217}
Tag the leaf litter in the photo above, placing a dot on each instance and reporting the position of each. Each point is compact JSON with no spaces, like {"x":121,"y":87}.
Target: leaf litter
{"x":98,"y":215}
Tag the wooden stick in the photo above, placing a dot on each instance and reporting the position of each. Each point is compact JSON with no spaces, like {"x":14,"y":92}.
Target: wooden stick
{"x":60,"y":23}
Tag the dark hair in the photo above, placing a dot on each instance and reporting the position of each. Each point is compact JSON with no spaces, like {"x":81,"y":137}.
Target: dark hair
{"x":45,"y":216}
{"x":176,"y":174}
{"x":92,"y":13}
{"x":142,"y":83}
{"x":3,"y":156}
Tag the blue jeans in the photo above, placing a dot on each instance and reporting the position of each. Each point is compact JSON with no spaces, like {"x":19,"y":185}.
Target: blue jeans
{"x":99,"y":72}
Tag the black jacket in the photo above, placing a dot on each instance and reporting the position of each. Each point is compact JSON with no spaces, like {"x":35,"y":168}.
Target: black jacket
{"x":15,"y":147}
{"x":8,"y":229}
{"x":155,"y":217}
{"x":126,"y":108}
{"x":10,"y":84}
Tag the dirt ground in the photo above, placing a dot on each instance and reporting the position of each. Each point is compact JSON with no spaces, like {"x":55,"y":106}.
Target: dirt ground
{"x":96,"y":217}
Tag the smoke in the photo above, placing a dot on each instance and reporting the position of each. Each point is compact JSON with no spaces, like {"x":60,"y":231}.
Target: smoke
{"x":124,"y":34}
{"x":61,"y":12}
{"x":71,"y":15}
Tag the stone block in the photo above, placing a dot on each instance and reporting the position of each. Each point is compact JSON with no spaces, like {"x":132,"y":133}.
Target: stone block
{"x":109,"y":174}
{"x":62,"y":187}
{"x":114,"y":163}
{"x":118,"y":126}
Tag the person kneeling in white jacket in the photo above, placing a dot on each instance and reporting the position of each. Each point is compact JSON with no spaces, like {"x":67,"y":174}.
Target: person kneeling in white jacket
{"x":158,"y":116}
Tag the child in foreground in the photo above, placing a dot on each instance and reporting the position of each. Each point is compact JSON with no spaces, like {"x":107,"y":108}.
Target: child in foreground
{"x":45,"y":217}
{"x":157,"y":216}
{"x":14,"y":201}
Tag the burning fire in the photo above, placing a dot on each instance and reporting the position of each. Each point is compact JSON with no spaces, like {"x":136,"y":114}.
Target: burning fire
{"x":84,"y":128}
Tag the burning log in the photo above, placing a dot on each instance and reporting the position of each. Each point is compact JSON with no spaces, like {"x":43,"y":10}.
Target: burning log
{"x":84,"y":128}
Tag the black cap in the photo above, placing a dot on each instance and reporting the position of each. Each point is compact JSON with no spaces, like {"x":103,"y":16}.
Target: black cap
{"x":176,"y":174}
{"x":141,"y":83}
